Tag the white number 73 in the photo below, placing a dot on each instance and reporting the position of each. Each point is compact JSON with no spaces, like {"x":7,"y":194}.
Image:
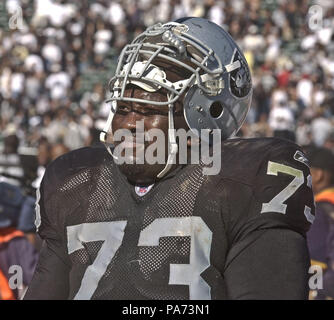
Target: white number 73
{"x":112,"y":234}
{"x":276,"y":204}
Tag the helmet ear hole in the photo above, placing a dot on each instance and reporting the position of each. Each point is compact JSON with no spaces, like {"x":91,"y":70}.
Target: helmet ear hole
{"x":216,"y":109}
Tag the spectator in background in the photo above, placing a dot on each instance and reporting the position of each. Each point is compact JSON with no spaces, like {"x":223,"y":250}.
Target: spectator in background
{"x":15,"y":249}
{"x":282,"y":121}
{"x":57,"y":150}
{"x":321,"y":128}
{"x":47,"y":152}
{"x":67,"y":48}
{"x":11,"y":170}
{"x":329,"y":143}
{"x":43,"y":158}
{"x":17,"y":205}
{"x":321,"y":235}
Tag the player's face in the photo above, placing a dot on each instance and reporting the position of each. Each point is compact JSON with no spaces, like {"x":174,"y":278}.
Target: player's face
{"x":129,"y":115}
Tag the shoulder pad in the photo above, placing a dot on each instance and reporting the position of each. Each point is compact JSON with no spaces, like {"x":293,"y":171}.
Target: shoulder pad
{"x":277,"y":180}
{"x":74,"y":161}
{"x":243,"y":158}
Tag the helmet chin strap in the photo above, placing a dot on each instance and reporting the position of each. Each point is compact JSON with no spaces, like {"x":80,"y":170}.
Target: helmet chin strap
{"x":108,"y":125}
{"x":172,"y":145}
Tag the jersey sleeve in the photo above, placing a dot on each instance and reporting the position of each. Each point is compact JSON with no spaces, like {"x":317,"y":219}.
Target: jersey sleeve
{"x":51,"y":277}
{"x":52,"y":215}
{"x":276,"y":194}
{"x":50,"y":210}
{"x":274,"y":266}
{"x":282,"y":190}
{"x":47,"y":219}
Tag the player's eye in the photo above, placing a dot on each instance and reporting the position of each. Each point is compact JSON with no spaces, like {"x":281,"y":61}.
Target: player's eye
{"x":153,"y":112}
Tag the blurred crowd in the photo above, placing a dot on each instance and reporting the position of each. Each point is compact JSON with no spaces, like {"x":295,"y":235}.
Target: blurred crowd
{"x":57,"y":56}
{"x":56,"y":61}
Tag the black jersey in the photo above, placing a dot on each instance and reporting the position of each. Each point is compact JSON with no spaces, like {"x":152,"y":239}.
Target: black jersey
{"x":180,"y":239}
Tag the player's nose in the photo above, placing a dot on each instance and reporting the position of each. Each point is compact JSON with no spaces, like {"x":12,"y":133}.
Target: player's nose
{"x":132,"y":121}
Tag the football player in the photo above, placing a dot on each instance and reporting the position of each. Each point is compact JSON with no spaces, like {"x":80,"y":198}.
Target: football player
{"x":167,"y":230}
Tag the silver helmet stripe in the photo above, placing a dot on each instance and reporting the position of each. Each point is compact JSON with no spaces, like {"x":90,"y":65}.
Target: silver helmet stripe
{"x":233,"y":66}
